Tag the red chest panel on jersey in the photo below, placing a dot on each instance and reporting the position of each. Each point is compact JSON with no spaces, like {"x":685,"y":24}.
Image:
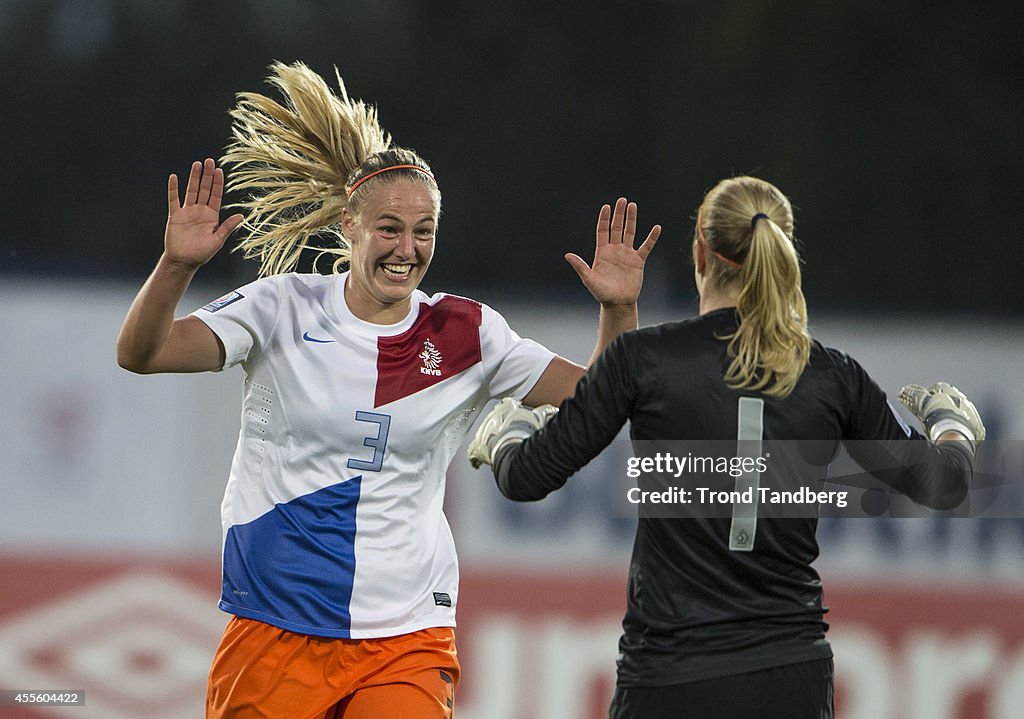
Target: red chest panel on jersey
{"x":444,"y":341}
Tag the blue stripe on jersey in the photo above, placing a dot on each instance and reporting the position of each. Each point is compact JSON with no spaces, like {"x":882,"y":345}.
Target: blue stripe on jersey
{"x":293,"y":567}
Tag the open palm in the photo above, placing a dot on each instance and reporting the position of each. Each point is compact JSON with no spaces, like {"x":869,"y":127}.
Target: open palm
{"x":194,"y":232}
{"x":617,"y":273}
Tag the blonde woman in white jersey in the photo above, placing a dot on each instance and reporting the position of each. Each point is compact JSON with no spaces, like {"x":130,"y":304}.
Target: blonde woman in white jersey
{"x":339,"y":567}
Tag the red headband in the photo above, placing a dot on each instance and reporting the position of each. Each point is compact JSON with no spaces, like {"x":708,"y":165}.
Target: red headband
{"x":700,"y":234}
{"x":364,"y":178}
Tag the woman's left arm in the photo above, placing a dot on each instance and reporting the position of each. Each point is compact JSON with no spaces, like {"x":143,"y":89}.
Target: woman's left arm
{"x":614,"y":279}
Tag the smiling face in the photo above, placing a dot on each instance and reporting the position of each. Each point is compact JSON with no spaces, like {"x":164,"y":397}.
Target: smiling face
{"x":392,"y":239}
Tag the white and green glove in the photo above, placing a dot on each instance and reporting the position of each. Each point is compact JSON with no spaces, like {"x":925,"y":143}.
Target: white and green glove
{"x":941,"y":408}
{"x":508,"y":422}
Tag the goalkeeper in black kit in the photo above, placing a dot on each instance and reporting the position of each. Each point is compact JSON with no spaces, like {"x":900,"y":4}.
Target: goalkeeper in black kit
{"x":724,"y":616}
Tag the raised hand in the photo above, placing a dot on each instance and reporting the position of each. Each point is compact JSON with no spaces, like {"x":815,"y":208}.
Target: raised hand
{"x":942,"y":407}
{"x":617,"y":274}
{"x":194,"y":232}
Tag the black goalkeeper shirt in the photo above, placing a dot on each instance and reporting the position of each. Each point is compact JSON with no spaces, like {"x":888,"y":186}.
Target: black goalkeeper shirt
{"x":697,"y":609}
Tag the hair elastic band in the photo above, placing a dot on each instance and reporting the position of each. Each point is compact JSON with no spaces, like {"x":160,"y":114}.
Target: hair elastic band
{"x":364,"y":178}
{"x":755,"y":218}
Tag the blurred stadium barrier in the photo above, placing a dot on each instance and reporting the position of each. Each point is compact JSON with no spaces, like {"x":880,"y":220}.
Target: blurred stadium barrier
{"x":110,"y":534}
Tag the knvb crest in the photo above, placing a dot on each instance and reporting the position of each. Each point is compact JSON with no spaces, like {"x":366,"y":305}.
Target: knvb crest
{"x":443,"y":341}
{"x":431,"y":359}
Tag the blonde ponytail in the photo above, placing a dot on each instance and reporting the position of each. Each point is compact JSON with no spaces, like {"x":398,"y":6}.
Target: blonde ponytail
{"x":748,"y":225}
{"x":294,"y":161}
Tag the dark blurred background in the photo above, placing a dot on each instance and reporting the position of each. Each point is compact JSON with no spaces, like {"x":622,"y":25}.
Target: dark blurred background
{"x":894,"y":127}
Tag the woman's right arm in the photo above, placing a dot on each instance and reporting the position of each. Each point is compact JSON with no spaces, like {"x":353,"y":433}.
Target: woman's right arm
{"x":151,"y":340}
{"x":529,"y":468}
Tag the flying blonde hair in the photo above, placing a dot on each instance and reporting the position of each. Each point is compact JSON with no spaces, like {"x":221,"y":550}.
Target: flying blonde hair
{"x":295,"y":161}
{"x":747,"y":224}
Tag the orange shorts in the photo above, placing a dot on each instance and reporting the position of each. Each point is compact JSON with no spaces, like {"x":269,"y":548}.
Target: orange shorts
{"x":265,"y":672}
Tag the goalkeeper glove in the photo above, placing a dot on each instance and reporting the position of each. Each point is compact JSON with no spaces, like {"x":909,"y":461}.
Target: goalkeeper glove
{"x":508,"y":422}
{"x":941,"y":408}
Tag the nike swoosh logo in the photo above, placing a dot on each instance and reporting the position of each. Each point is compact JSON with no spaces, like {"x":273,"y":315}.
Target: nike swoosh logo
{"x":305,"y":336}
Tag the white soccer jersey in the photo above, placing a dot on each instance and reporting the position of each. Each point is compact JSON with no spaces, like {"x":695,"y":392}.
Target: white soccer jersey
{"x":333,"y":521}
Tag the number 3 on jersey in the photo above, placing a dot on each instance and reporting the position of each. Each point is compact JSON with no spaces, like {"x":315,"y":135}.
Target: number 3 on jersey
{"x":749,"y":432}
{"x":377,"y":442}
